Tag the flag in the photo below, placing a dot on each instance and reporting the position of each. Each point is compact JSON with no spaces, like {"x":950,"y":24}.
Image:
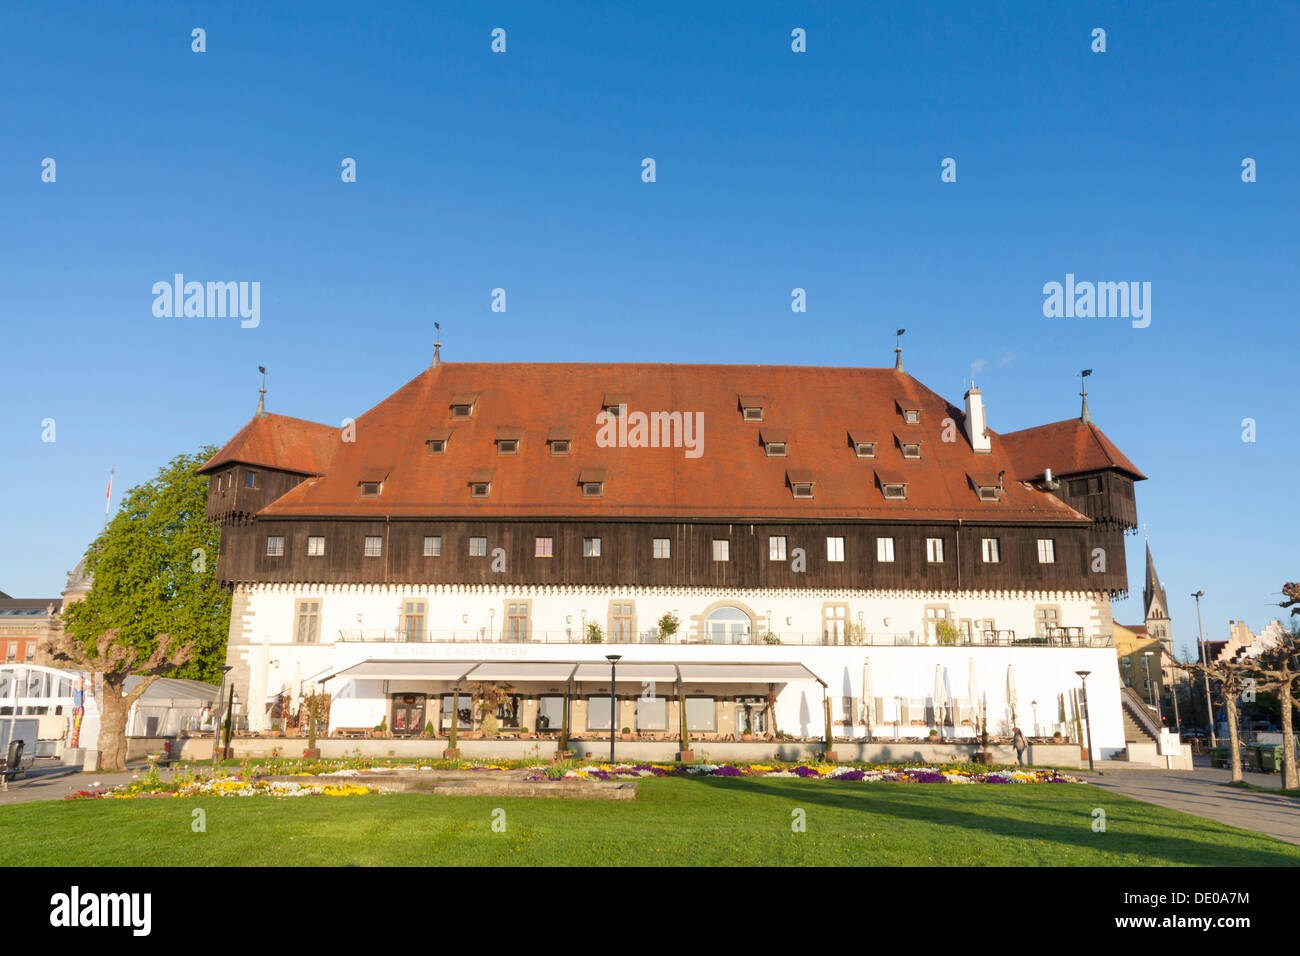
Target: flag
{"x":1085,"y":373}
{"x":108,"y":494}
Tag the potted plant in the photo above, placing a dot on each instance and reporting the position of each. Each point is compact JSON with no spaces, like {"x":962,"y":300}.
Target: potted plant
{"x":983,"y":754}
{"x":770,"y":638}
{"x":625,"y":734}
{"x":525,"y":733}
{"x":313,"y":710}
{"x":428,"y":729}
{"x":594,"y":634}
{"x":1056,"y":737}
{"x":668,"y":625}
{"x":934,"y":736}
{"x":381,"y":728}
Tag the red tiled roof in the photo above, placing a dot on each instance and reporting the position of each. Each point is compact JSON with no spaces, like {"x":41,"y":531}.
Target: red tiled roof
{"x":732,"y":479}
{"x":280,"y":442}
{"x":1067,"y":447}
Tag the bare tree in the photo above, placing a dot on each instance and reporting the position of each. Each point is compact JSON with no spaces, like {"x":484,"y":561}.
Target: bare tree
{"x":115,"y":662}
{"x":1277,"y":671}
{"x":1233,"y":677}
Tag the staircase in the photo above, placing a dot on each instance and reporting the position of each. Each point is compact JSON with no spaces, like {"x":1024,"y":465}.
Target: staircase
{"x":1139,"y":723}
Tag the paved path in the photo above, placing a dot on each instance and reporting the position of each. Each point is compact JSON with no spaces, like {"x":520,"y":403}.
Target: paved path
{"x":1202,"y":793}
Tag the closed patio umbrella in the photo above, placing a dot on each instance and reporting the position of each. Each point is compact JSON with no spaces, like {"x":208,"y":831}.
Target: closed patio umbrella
{"x":972,"y":689}
{"x":868,"y":696}
{"x":1011,"y":693}
{"x":939,"y":698}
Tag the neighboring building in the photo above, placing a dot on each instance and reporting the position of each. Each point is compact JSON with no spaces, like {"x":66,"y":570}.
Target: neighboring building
{"x":484,"y":522}
{"x":1136,"y":670}
{"x":25,"y":627}
{"x":1244,"y":643}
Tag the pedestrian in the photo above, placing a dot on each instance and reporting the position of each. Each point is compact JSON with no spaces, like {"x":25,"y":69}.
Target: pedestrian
{"x":1020,"y":743}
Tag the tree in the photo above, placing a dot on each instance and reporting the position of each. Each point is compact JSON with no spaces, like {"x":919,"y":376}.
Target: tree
{"x":1277,"y":672}
{"x":1233,"y":678}
{"x":154,"y":570}
{"x":115,"y":662}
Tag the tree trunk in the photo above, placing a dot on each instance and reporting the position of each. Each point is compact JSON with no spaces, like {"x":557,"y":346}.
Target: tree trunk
{"x":113,"y":708}
{"x":1234,"y":745}
{"x":1289,"y":777}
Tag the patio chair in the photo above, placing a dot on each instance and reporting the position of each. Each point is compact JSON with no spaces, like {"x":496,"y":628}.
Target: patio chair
{"x":12,"y":764}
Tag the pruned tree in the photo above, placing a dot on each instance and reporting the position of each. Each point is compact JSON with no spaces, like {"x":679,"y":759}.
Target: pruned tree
{"x":114,"y":662}
{"x":1276,"y":671}
{"x":1234,"y":678}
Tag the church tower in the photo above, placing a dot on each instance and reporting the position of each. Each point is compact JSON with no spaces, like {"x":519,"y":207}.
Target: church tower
{"x":1159,"y":626}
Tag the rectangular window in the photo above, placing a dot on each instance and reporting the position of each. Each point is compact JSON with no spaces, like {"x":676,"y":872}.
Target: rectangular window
{"x":308,"y":627}
{"x":461,"y":411}
{"x":478,"y":547}
{"x":652,"y":713}
{"x":752,"y":414}
{"x":369,"y":489}
{"x":663,"y":548}
{"x":911,"y":415}
{"x":598,"y":713}
{"x":776,"y":548}
{"x":432,"y":546}
{"x":315,"y":546}
{"x":479,"y":489}
{"x":550,"y":713}
{"x":1046,"y":551}
{"x":834,"y":549}
{"x":11,"y":653}
{"x":865,"y":449}
{"x":895,"y":491}
{"x":275,"y":545}
{"x":542,"y":547}
{"x":374,"y":546}
{"x":517,"y":620}
{"x":834,"y":617}
{"x":591,"y":547}
{"x":464,"y":705}
{"x":507,"y":446}
{"x":802,"y":489}
{"x":30,"y":653}
{"x":911,"y":450}
{"x":622,"y":615}
{"x":701,"y":714}
{"x":721,"y":550}
{"x":559,"y":446}
{"x":593,"y":489}
{"x":436,"y":446}
{"x":988,"y":492}
{"x":990,"y":551}
{"x":934,"y":550}
{"x":250,"y":479}
{"x":413,"y":621}
{"x":775,"y":449}
{"x":884,"y":549}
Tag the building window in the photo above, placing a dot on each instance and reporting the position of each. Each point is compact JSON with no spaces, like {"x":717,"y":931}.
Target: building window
{"x":275,"y":545}
{"x":663,"y":548}
{"x":751,"y":715}
{"x":802,"y":489}
{"x":990,"y":551}
{"x":776,"y":548}
{"x":934,"y":550}
{"x":11,"y":652}
{"x":911,"y":449}
{"x":29,"y":654}
{"x":591,"y":547}
{"x":834,"y":549}
{"x":701,"y":714}
{"x":462,"y":407}
{"x":912,"y":415}
{"x":370,"y":489}
{"x":308,"y":627}
{"x":517,"y":614}
{"x":598,"y":712}
{"x":464,"y":705}
{"x":593,"y":489}
{"x":315,"y":546}
{"x":752,"y":413}
{"x":721,"y":550}
{"x":1047,"y":619}
{"x":478,"y":547}
{"x":775,"y":449}
{"x":652,"y":713}
{"x":559,"y":446}
{"x":507,"y":446}
{"x":1046,"y":551}
{"x":895,"y":491}
{"x":479,"y":489}
{"x":374,"y":546}
{"x":622,"y":619}
{"x":436,"y":446}
{"x":542,"y":547}
{"x":988,"y":492}
{"x":834,"y":617}
{"x":413,"y":621}
{"x":933,"y":615}
{"x":864,"y":449}
{"x":432,"y":546}
{"x":550,"y":712}
{"x":884,"y":549}
{"x":250,"y":479}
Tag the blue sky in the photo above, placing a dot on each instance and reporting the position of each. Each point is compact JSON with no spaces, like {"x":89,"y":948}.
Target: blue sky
{"x":775,"y":170}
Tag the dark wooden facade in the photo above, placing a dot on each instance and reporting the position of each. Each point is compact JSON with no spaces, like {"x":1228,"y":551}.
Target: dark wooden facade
{"x":231,"y":498}
{"x":1106,"y":497}
{"x":627,"y":554}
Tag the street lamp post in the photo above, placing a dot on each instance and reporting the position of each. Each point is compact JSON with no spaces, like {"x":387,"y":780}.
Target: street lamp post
{"x":1173,"y":695}
{"x":1209,"y":706}
{"x":1087,"y":715}
{"x":613,"y":710}
{"x":1034,"y":705}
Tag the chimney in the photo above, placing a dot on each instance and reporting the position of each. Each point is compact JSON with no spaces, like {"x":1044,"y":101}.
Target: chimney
{"x":976,"y":427}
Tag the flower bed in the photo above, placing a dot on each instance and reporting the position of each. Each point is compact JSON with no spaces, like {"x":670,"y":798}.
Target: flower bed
{"x":151,"y":786}
{"x":867,"y":774}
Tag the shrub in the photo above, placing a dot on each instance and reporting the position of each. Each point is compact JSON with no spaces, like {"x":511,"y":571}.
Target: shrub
{"x":594,"y":633}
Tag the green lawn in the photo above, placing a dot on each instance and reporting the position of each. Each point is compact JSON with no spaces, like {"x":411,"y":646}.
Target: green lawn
{"x":698,"y":821}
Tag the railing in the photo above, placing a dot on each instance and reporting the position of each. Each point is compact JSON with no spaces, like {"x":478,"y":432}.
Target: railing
{"x":1056,"y":637}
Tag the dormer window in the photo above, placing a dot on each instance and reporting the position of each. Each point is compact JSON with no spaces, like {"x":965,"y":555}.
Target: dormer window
{"x":775,"y":449}
{"x":910,"y":447}
{"x":559,"y":446}
{"x":592,"y":481}
{"x":462,"y":405}
{"x":774,"y":442}
{"x":615,"y":404}
{"x":988,"y":492}
{"x":751,"y":407}
{"x":912,"y":416}
{"x":560,"y":440}
{"x":909,"y":409}
{"x":895,"y":490}
{"x":987,"y":488}
{"x":507,"y":446}
{"x":436,"y":443}
{"x":480,"y":484}
{"x":864,"y":449}
{"x":801,"y":483}
{"x":371,"y":489}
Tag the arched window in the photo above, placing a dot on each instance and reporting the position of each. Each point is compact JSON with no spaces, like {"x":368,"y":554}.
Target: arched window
{"x":727,"y":625}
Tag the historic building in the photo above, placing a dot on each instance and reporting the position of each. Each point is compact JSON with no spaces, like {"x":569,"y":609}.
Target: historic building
{"x":730,"y":531}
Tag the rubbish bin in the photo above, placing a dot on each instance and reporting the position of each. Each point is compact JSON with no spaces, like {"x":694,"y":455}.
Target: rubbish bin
{"x":1255,"y":756}
{"x":1219,"y":756}
{"x":1270,"y":757}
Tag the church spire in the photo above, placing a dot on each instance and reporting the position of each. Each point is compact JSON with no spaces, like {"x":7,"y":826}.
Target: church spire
{"x":1153,"y":592}
{"x":261,"y":394}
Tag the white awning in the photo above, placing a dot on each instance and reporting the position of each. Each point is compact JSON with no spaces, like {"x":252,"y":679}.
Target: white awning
{"x":405,"y":670}
{"x":745,"y":673}
{"x":664,"y":673}
{"x":552,"y":671}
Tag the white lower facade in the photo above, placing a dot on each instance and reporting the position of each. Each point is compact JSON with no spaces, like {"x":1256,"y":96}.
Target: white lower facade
{"x":285,"y":637}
